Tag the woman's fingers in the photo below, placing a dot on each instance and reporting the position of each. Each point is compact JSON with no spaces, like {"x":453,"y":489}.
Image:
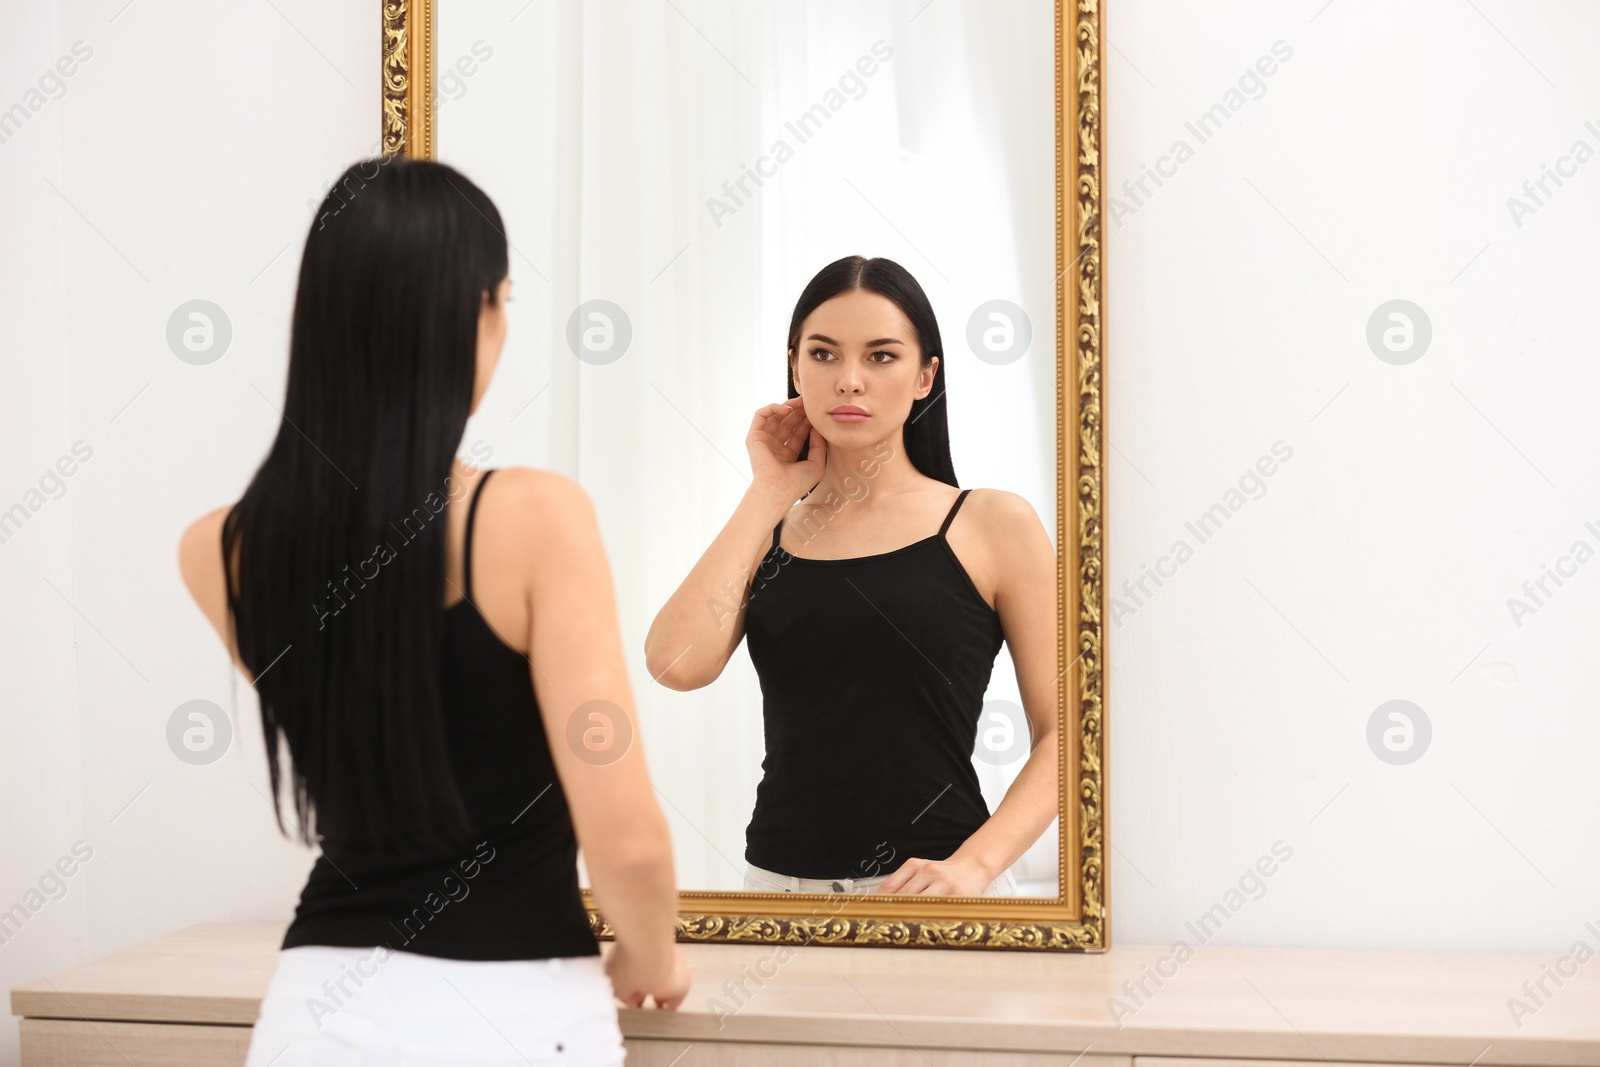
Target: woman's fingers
{"x":784,"y":425}
{"x":796,"y":435}
{"x":781,"y":409}
{"x":767,"y":413}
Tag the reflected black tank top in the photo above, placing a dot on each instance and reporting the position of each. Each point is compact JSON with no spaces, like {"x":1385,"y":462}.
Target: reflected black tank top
{"x":510,"y":894}
{"x":872,"y":672}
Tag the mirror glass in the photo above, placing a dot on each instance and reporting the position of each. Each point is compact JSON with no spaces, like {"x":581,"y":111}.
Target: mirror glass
{"x":671,"y":176}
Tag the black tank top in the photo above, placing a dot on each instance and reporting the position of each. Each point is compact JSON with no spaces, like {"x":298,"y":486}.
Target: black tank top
{"x":512,"y":893}
{"x":872,"y":672}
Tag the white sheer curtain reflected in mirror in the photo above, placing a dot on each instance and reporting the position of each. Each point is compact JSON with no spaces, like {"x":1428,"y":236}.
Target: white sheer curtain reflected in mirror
{"x":694,"y":164}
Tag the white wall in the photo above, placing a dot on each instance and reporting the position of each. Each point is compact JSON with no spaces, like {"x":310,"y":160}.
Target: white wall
{"x":186,"y":146}
{"x":1377,"y":565}
{"x":41,"y":759}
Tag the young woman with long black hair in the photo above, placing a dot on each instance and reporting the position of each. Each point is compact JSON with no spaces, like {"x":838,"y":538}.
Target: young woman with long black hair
{"x":436,"y":649}
{"x":875,"y":646}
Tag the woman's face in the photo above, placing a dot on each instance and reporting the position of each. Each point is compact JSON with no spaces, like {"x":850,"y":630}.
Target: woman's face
{"x":858,"y":351}
{"x":491,"y":338}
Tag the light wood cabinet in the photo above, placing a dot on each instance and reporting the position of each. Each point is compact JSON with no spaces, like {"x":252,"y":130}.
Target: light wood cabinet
{"x":120,"y":1044}
{"x":189,"y":999}
{"x":741,"y":1054}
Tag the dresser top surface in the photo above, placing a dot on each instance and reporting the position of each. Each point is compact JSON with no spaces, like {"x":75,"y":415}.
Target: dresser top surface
{"x":1312,"y":1004}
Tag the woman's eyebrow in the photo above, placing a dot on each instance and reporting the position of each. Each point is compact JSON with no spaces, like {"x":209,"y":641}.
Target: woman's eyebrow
{"x":870,"y":344}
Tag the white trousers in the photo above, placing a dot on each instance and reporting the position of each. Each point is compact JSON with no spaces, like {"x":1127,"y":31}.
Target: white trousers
{"x":362,"y":1007}
{"x":761,"y":880}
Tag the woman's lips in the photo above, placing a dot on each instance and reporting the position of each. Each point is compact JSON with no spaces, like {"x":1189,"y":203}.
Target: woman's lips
{"x":846,"y":415}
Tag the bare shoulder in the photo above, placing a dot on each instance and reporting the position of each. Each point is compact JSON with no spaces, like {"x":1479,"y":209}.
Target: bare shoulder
{"x":200,"y":556}
{"x":537,"y":488}
{"x":1001,"y":515}
{"x":200,"y":563}
{"x":1012,"y":546}
{"x":541,"y":506}
{"x":1013,"y":558}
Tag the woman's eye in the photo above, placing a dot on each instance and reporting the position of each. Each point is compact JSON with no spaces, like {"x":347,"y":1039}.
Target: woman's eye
{"x":823,"y":353}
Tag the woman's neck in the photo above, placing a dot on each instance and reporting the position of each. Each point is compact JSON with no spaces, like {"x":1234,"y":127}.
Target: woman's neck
{"x":861,"y":474}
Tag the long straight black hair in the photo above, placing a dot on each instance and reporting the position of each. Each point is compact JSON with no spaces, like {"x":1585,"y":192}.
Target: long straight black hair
{"x":927,"y":429}
{"x":339,"y":539}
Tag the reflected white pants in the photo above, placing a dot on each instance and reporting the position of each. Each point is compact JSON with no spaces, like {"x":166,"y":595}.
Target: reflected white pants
{"x":761,"y":880}
{"x":359,"y":1007}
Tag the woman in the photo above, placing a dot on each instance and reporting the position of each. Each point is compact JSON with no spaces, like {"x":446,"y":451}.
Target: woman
{"x":425,"y":639}
{"x":873,"y":637}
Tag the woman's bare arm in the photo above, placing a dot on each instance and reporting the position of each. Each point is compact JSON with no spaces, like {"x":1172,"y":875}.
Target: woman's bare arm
{"x":580,"y":675}
{"x":695,"y":632}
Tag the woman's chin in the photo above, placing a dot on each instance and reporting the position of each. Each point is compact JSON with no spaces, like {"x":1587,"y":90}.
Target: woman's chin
{"x":851,"y":434}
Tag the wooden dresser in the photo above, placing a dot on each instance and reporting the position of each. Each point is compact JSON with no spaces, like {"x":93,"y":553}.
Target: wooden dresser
{"x":190,"y":997}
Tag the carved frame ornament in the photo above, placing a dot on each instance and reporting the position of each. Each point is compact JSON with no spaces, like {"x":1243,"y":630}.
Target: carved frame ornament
{"x":1077,"y":919}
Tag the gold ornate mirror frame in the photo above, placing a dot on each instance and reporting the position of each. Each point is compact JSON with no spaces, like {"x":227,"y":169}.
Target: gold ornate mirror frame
{"x":1078,"y":917}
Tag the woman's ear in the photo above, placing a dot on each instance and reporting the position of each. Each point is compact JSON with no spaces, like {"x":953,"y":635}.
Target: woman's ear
{"x":499,"y":295}
{"x":491,"y":337}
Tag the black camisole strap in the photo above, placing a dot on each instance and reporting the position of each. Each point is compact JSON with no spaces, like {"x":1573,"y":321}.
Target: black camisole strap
{"x":953,"y":507}
{"x":778,"y":529}
{"x":466,"y":544}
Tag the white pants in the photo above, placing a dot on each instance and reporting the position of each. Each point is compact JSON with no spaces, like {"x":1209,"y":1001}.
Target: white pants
{"x":360,"y":1007}
{"x":761,"y":880}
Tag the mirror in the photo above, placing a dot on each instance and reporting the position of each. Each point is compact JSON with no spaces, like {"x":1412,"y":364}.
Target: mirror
{"x":671,"y":177}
